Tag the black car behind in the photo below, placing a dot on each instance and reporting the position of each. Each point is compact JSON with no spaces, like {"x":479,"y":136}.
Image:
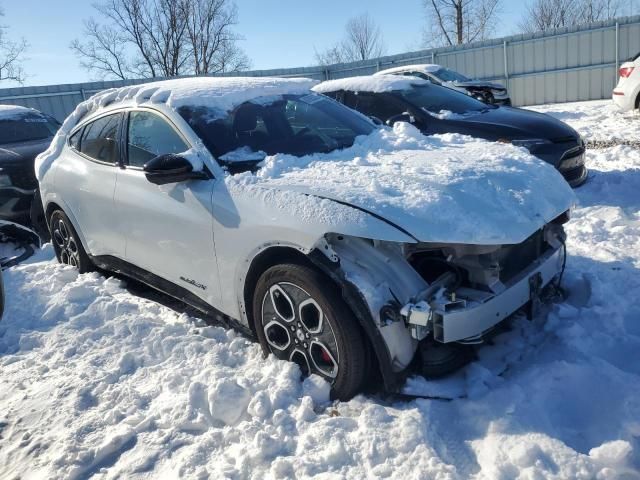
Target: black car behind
{"x":24,"y":133}
{"x":434,"y":109}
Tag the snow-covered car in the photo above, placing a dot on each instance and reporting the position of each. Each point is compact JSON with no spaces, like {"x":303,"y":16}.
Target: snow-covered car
{"x":341,"y":246}
{"x":434,"y":109}
{"x":626,"y":95}
{"x":487,"y":92}
{"x":24,"y":133}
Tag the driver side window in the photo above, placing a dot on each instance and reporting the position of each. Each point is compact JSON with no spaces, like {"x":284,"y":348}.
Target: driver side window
{"x":150,"y":135}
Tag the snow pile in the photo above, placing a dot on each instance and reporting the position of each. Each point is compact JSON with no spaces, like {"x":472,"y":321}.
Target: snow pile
{"x":446,"y":188}
{"x":219,"y":94}
{"x":598,"y":121}
{"x":97,"y":382}
{"x":375,"y":83}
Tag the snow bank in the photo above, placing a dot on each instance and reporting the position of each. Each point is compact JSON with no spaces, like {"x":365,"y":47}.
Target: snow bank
{"x":219,"y":94}
{"x":600,"y":120}
{"x":375,"y":83}
{"x":446,"y":188}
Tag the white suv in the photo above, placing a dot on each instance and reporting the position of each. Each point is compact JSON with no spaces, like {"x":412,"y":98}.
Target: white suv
{"x":627,"y":93}
{"x":282,"y":211}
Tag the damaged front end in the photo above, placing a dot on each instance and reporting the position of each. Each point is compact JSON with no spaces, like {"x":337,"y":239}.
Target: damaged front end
{"x":425,"y":295}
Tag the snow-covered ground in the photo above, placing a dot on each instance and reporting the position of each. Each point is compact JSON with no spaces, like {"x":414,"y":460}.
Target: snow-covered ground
{"x":99,"y":383}
{"x":596,"y":121}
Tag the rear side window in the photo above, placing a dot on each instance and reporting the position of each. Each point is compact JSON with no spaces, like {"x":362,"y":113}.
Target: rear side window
{"x":74,"y":140}
{"x":149,"y":136}
{"x":100,"y":139}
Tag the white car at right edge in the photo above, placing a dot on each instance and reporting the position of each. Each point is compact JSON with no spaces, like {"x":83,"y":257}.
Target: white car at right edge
{"x":345,"y":248}
{"x":626,"y":95}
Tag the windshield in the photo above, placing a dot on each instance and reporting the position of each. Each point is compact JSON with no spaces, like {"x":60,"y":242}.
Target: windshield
{"x":293,"y":124}
{"x":437,"y":100}
{"x":26,"y":127}
{"x":446,"y":75}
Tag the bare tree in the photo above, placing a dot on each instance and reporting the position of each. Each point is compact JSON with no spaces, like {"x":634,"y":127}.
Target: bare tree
{"x":11,"y":55}
{"x":153,"y":38}
{"x":363,"y":40}
{"x":214,"y":45}
{"x":549,"y":14}
{"x":454,"y":22}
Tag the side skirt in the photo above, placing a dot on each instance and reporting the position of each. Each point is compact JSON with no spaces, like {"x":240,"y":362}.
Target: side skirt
{"x":117,"y":265}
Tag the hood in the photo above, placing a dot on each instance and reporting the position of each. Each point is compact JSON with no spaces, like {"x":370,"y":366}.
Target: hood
{"x":17,"y":154}
{"x":449,"y":188}
{"x":480,"y":84}
{"x":513,"y":123}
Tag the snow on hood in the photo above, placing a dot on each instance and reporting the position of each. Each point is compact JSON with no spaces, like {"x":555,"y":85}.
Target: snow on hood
{"x":218,"y":94}
{"x":447,"y":188}
{"x":375,"y":84}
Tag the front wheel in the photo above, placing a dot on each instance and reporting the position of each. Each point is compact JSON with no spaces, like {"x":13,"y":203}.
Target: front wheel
{"x":300,"y":317}
{"x":66,"y":243}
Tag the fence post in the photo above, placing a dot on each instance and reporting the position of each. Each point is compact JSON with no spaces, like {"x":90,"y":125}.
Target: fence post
{"x":615,"y":74}
{"x":433,"y":57}
{"x":506,"y":64}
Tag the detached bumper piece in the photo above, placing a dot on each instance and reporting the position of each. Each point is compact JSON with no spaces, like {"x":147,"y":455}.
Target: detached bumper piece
{"x":25,"y":240}
{"x":469,"y":313}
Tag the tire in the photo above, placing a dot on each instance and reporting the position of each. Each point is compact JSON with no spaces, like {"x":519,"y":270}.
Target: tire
{"x":299,"y":316}
{"x":67,"y":244}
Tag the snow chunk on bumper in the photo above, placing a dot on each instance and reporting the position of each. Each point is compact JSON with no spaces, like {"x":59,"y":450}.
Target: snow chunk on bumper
{"x":447,"y":188}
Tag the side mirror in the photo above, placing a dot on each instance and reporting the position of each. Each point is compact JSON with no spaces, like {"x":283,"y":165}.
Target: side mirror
{"x":403,"y":117}
{"x":170,"y":168}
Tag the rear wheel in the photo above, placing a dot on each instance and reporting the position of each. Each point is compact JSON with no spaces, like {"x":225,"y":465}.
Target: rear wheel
{"x":300,"y":317}
{"x":66,"y":243}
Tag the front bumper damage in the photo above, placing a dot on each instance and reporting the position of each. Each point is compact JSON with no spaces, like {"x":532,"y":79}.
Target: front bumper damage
{"x":402,"y":310}
{"x":469,"y":314}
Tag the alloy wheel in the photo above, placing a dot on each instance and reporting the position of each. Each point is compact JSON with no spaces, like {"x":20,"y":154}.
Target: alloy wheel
{"x":66,"y":244}
{"x":296,"y":329}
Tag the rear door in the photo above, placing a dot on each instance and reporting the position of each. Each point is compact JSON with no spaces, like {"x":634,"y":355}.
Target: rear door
{"x":89,"y":180}
{"x":168,"y":228}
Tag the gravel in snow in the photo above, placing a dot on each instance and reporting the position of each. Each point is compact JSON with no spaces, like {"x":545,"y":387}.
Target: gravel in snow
{"x":99,"y":383}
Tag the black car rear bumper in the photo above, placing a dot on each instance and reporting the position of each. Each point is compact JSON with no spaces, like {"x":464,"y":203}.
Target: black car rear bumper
{"x":15,"y":204}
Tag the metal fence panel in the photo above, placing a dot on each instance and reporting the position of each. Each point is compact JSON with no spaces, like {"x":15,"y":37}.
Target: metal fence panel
{"x":563,"y":65}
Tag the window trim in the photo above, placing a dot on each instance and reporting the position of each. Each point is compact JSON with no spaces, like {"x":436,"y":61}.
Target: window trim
{"x":83,"y":127}
{"x":124,"y":155}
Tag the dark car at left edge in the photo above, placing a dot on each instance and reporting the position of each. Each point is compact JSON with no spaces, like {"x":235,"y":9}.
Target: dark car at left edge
{"x":24,"y":133}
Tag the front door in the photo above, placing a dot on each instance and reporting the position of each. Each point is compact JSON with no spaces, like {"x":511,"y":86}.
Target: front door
{"x":168,"y":228}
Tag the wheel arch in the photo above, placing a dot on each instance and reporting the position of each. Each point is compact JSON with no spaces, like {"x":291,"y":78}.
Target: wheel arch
{"x":353,"y":298}
{"x":54,"y":205}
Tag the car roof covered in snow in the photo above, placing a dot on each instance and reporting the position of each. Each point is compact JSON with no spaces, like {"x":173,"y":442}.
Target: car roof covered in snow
{"x":375,"y":84}
{"x":9,"y":111}
{"x":220,"y":94}
{"x":424,"y":67}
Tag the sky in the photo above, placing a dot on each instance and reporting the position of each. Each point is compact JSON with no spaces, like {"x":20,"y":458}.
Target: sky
{"x":277,"y":33}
